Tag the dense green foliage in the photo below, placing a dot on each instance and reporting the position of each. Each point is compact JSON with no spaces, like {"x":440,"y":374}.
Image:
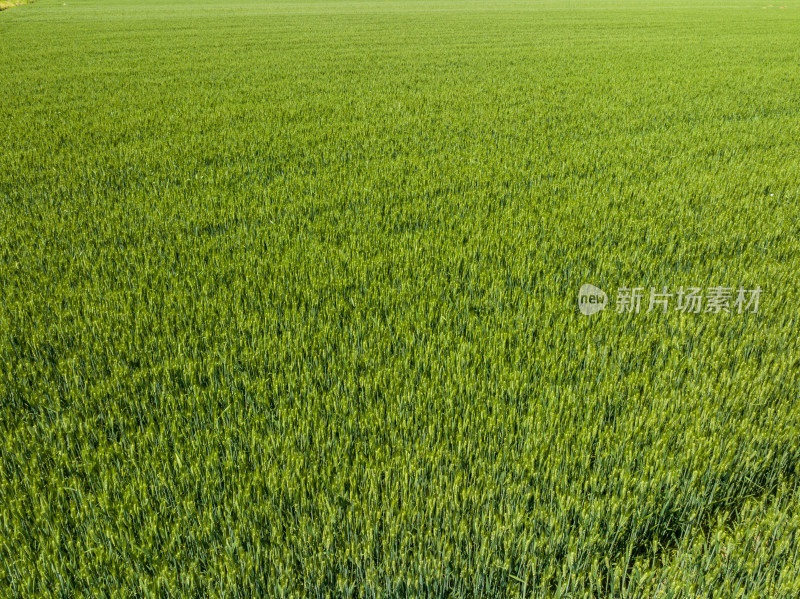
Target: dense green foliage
{"x":288,"y":299}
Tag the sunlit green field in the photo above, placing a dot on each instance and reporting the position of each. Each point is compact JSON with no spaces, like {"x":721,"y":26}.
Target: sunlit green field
{"x":289,"y":299}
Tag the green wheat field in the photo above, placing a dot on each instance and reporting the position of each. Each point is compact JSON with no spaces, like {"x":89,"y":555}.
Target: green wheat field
{"x":289,"y":299}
